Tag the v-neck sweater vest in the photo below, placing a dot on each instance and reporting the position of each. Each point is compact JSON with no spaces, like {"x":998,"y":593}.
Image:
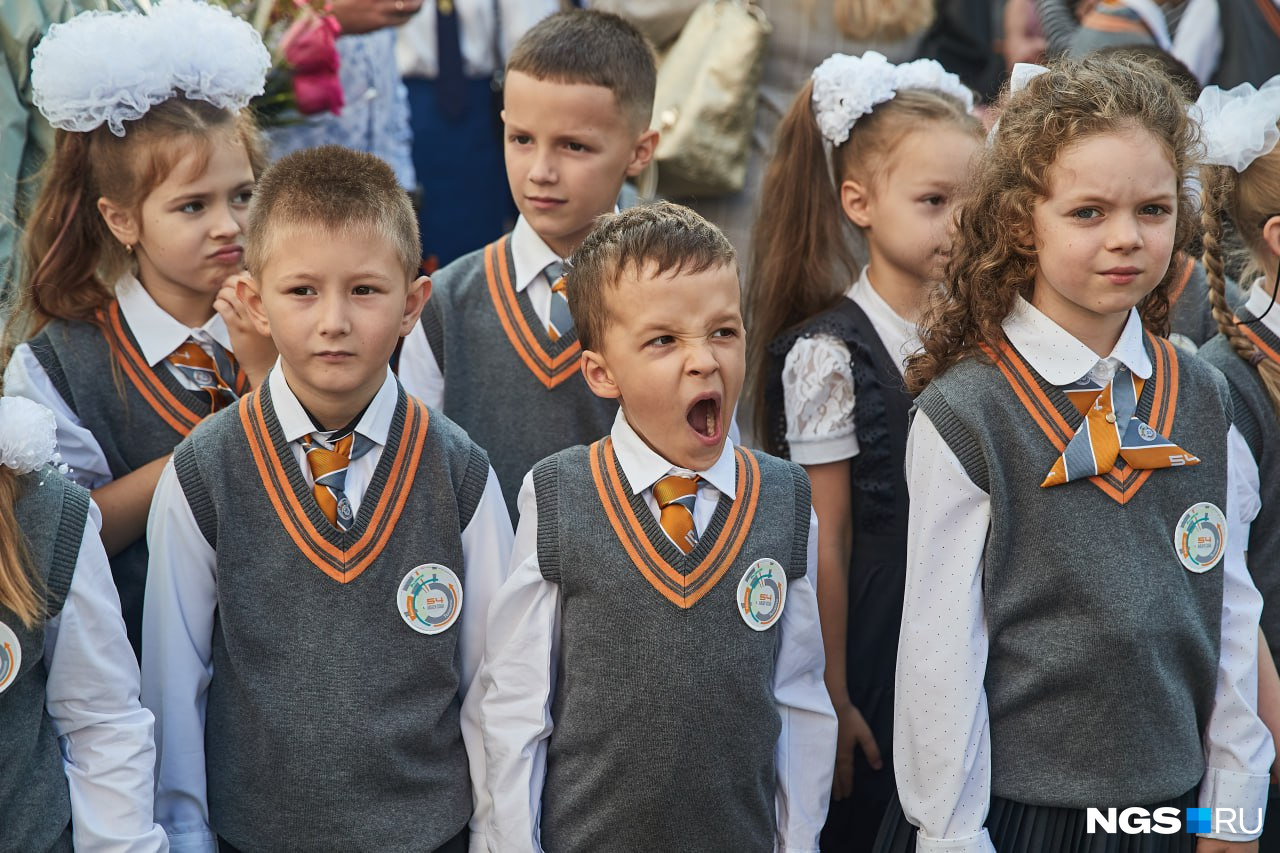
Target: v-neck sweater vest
{"x":665,"y":721}
{"x":330,"y":721}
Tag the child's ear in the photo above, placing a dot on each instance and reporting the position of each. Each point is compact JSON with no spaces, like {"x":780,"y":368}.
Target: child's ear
{"x":642,"y":153}
{"x":247,"y":292}
{"x":855,"y":201}
{"x":1271,"y":235}
{"x":599,"y":378}
{"x":123,"y":224}
{"x":419,"y":293}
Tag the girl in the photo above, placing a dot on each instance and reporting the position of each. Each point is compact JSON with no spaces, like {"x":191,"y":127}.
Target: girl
{"x":75,"y":744}
{"x":1079,"y":630}
{"x":828,"y":390}
{"x":1242,"y":180}
{"x":136,"y":228}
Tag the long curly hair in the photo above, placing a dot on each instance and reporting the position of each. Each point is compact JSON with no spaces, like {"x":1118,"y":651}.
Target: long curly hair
{"x":992,"y":260}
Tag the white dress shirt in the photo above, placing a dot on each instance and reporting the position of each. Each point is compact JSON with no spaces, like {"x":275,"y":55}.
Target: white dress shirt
{"x":182,"y":595}
{"x":485,"y":27}
{"x":91,"y":694}
{"x":522,"y":656}
{"x":942,"y":749}
{"x":158,"y":335}
{"x":817,"y":381}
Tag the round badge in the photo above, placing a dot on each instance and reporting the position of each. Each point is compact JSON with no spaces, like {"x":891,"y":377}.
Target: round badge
{"x":762,"y":593}
{"x":430,"y":598}
{"x":1201,"y":537}
{"x":1147,"y":433}
{"x":10,"y":657}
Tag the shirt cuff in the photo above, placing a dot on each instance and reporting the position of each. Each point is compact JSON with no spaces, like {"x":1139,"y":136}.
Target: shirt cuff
{"x":1242,"y":794}
{"x":819,"y":451}
{"x":978,"y":843}
{"x":193,"y":842}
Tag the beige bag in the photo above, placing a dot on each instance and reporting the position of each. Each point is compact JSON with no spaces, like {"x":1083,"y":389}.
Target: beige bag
{"x":705,"y":103}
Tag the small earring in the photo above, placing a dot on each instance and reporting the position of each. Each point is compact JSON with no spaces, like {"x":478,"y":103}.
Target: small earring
{"x":128,"y":247}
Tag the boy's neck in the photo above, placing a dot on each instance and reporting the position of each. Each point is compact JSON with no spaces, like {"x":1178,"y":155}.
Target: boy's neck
{"x":330,"y":412}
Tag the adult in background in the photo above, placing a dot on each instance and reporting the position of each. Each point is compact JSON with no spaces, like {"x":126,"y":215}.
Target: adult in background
{"x":448,"y":55}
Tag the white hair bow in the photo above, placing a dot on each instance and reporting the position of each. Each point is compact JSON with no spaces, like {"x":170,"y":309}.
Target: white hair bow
{"x":1238,"y":126}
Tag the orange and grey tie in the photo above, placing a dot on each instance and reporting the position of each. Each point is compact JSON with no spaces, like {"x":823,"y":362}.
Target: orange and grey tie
{"x":675,"y":496}
{"x":329,"y":469}
{"x":560,"y":321}
{"x":1111,"y":430}
{"x":206,"y":373}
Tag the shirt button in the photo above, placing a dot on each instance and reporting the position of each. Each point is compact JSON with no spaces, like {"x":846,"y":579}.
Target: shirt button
{"x":1111,"y":417}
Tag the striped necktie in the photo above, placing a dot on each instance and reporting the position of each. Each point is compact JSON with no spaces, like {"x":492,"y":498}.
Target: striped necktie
{"x":206,"y":373}
{"x":560,"y":321}
{"x":1111,"y":430}
{"x":329,"y":469}
{"x":675,"y":496}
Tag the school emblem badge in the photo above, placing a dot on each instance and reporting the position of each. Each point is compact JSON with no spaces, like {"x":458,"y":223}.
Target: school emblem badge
{"x":762,"y":593}
{"x":430,"y":598}
{"x":1200,"y":538}
{"x":10,"y":657}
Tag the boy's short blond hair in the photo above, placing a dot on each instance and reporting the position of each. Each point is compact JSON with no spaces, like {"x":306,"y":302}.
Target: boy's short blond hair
{"x":337,"y":189}
{"x":596,"y":48}
{"x":651,"y":239}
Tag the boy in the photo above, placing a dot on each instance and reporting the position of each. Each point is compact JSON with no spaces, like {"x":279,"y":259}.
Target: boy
{"x":653,"y":668}
{"x":497,"y":350}
{"x":312,"y":549}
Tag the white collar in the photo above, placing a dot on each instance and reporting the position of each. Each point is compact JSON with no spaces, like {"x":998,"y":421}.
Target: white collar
{"x":158,"y":333}
{"x":865,"y":294}
{"x":643,"y":466}
{"x":374,"y":424}
{"x":530,"y":253}
{"x":1258,"y":302}
{"x":1062,"y":359}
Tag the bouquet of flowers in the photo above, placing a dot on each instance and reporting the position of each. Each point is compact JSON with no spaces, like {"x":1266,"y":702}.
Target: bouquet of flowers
{"x":300,"y":35}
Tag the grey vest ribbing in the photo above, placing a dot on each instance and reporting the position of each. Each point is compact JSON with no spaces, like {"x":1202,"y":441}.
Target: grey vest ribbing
{"x":331,"y":723}
{"x":1103,"y":649}
{"x":489,"y":391}
{"x":665,"y":719}
{"x":90,"y":380}
{"x":1250,"y":43}
{"x":34,"y":803}
{"x":1255,"y":417}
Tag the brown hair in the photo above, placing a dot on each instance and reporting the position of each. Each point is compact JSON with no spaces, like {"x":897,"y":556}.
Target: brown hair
{"x":69,"y":256}
{"x":337,"y":189}
{"x":1248,"y":198}
{"x":18,"y":589}
{"x":596,"y":48}
{"x":990,"y":265}
{"x":801,"y":264}
{"x":661,"y":237}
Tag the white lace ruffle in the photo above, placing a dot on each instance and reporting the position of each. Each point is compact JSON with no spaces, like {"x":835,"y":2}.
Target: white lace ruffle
{"x":817,"y":389}
{"x":111,"y":67}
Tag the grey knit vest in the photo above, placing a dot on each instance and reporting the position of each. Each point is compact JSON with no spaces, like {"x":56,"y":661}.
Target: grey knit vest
{"x":332,"y":725}
{"x":665,"y":719}
{"x":136,"y":414}
{"x":1255,"y":417}
{"x":1250,"y":42}
{"x":34,"y":803}
{"x":1103,"y":649}
{"x":516,"y":394}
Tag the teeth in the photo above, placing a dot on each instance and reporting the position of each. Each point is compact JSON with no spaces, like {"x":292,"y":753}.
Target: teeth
{"x":711,"y":421}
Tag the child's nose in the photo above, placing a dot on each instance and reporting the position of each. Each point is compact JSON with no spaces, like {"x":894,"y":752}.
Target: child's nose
{"x":1125,"y":233}
{"x":334,"y":317}
{"x":701,"y":360}
{"x":225,"y":223}
{"x":544,"y":168}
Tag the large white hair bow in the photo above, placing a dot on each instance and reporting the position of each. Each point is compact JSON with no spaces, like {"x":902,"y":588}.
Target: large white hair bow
{"x":1238,"y":126}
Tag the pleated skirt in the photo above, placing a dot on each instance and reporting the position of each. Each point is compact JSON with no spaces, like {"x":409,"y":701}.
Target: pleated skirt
{"x":1020,"y":828}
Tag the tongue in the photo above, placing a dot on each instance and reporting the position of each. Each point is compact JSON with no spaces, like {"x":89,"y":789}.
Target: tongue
{"x":702,"y":417}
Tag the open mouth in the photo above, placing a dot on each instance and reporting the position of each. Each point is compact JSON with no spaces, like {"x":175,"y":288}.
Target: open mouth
{"x":704,"y":416}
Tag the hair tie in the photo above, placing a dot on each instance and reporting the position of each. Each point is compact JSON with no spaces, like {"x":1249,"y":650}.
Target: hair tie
{"x":111,"y":67}
{"x":1238,"y":126}
{"x":845,"y":88}
{"x":27,"y":435}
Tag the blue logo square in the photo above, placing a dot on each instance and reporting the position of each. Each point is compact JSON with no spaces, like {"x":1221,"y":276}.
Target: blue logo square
{"x":1199,"y":821}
